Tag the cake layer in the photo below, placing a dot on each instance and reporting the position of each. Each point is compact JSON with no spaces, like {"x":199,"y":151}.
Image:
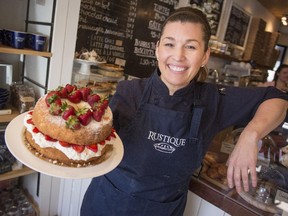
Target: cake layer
{"x":56,"y":156}
{"x":55,"y":126}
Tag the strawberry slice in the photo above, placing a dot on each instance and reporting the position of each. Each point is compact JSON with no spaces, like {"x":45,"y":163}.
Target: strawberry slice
{"x":64,"y":144}
{"x":78,"y":148}
{"x":35,"y":130}
{"x":113,"y":135}
{"x":102,"y":142}
{"x":93,"y":147}
{"x":48,"y":138}
{"x":30,"y":121}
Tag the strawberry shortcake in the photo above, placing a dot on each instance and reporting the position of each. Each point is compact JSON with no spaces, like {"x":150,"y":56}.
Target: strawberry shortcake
{"x":70,"y":127}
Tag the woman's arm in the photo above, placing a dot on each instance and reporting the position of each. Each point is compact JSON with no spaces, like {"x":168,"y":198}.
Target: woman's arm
{"x":244,"y":156}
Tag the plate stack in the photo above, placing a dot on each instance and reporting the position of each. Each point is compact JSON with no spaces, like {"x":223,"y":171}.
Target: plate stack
{"x":4,"y":96}
{"x":110,"y":70}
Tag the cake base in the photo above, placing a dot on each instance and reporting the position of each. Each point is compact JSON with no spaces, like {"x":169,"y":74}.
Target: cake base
{"x":55,"y":156}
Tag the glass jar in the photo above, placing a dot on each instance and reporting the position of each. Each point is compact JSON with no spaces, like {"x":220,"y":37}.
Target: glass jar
{"x":27,"y":209}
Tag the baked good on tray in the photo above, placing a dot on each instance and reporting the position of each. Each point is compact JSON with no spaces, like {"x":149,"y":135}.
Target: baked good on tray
{"x":70,"y":127}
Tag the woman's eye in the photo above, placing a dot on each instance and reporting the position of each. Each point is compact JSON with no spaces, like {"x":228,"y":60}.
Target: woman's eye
{"x":168,"y":45}
{"x":190,"y":47}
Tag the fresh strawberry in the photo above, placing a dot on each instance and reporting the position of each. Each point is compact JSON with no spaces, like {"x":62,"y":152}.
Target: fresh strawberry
{"x":84,"y":115}
{"x":51,"y":97}
{"x":75,"y":96}
{"x":104,"y":104}
{"x":67,"y":110}
{"x":85,"y":91}
{"x":78,"y":148}
{"x":55,"y":107}
{"x":70,"y":88}
{"x":62,"y":92}
{"x":93,"y":147}
{"x":30,"y":112}
{"x":73,"y":122}
{"x":92,"y":100}
{"x":48,"y":138}
{"x":64,"y":144}
{"x":97,"y":114}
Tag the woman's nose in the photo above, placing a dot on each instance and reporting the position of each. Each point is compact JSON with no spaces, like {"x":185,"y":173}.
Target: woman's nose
{"x":179,"y":54}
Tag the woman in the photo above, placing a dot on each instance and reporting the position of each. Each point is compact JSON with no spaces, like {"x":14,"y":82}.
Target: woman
{"x":166,"y":123}
{"x":280,"y":80}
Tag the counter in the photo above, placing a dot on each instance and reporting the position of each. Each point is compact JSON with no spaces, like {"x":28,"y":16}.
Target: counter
{"x":228,"y":199}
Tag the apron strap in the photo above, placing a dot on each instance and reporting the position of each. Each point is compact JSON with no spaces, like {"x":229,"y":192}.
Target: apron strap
{"x":197,"y":113}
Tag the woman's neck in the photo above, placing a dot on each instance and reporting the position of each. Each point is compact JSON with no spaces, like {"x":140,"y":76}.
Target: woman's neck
{"x":281,"y":85}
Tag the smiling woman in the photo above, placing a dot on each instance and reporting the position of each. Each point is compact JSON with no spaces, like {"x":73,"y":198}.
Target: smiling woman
{"x":167,"y":122}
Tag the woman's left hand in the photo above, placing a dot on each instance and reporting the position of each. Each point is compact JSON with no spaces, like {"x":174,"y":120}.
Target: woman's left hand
{"x":242,"y":163}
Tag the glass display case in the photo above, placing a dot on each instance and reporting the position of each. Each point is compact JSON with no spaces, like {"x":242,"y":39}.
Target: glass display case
{"x":270,"y":197}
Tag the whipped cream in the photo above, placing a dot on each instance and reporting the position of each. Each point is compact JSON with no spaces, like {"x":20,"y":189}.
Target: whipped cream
{"x":40,"y":140}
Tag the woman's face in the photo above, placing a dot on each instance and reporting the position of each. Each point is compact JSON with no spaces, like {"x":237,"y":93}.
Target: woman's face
{"x":180,"y":54}
{"x":283,"y":75}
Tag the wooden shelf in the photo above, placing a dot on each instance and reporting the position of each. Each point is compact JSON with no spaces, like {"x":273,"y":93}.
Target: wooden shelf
{"x":16,"y":173}
{"x":225,"y":57}
{"x":9,"y":50}
{"x":9,"y":117}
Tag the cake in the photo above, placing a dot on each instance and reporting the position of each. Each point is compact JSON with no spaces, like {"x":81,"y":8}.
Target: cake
{"x":70,"y":127}
{"x":91,"y":56}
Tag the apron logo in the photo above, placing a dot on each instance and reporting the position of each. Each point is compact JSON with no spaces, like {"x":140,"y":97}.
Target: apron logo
{"x":164,"y":147}
{"x":166,"y":144}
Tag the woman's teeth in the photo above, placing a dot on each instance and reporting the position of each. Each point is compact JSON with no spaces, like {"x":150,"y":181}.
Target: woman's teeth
{"x":175,"y":68}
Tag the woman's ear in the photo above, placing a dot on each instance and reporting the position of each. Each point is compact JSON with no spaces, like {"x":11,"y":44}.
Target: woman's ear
{"x":206,"y":57}
{"x":156,"y":50}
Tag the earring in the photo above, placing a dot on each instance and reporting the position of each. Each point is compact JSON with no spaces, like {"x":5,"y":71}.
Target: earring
{"x":202,"y":65}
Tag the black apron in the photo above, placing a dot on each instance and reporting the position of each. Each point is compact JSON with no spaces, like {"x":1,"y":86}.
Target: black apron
{"x":161,"y":151}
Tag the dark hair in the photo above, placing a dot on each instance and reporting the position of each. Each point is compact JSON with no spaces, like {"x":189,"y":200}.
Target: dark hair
{"x":192,"y":15}
{"x":279,"y":70}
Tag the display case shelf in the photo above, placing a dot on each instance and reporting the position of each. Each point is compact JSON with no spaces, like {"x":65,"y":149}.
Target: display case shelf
{"x":10,"y":50}
{"x":16,"y":173}
{"x":9,"y":117}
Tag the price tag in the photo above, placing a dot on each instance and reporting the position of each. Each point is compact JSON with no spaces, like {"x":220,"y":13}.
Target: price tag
{"x":281,"y":200}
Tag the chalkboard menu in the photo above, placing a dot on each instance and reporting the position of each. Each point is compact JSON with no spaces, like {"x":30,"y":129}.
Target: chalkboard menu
{"x":212,"y":9}
{"x":124,"y":32}
{"x":237,"y":27}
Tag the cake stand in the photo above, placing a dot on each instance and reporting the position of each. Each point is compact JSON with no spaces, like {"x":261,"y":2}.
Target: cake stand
{"x":85,"y":67}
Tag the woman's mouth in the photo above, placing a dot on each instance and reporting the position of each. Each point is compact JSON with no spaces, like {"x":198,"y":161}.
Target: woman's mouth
{"x":177,"y":68}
